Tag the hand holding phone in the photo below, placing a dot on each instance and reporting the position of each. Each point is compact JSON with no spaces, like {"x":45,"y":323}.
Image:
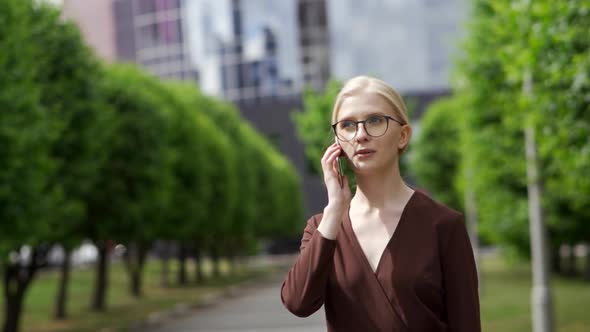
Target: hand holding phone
{"x":336,"y":181}
{"x":340,"y":172}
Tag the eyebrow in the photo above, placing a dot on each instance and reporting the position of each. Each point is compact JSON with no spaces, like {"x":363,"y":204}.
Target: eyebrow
{"x":367,"y":116}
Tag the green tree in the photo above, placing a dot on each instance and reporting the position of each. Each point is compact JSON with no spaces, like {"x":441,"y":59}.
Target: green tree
{"x":505,"y":41}
{"x":131,"y":187}
{"x":72,"y":127}
{"x":436,"y":152}
{"x":560,"y":65}
{"x":26,"y":137}
{"x":499,"y":177}
{"x":190,"y":165}
{"x":71,"y":95}
{"x":217,"y":159}
{"x":313,"y":125}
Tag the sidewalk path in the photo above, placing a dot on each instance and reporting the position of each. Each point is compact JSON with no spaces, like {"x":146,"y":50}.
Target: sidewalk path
{"x":255,"y":309}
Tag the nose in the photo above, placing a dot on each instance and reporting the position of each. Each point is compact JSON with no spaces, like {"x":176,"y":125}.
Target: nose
{"x":361,"y":132}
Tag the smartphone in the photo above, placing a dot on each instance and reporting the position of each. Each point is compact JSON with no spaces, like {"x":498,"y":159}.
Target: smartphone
{"x":340,"y":172}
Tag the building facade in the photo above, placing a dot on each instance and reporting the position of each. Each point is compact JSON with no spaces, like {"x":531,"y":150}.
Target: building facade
{"x":96,"y":22}
{"x":246,"y":49}
{"x":314,"y":43}
{"x":410,"y":44}
{"x":153,"y":34}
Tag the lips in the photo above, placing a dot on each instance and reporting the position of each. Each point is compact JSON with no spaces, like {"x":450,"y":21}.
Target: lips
{"x":364,"y":152}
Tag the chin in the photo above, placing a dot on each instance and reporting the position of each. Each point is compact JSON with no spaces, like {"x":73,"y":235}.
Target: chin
{"x":366,"y":167}
{"x":371,"y":166}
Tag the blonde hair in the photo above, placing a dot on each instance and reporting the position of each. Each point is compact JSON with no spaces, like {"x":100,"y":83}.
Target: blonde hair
{"x":367,"y":84}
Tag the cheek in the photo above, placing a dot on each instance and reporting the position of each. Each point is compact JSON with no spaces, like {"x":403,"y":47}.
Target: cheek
{"x":391,"y":139}
{"x":347,"y":148}
{"x":349,"y":152}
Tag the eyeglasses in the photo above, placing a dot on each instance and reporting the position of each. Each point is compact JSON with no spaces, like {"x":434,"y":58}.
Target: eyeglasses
{"x":375,"y":126}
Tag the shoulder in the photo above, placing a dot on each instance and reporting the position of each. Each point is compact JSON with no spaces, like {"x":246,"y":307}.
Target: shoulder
{"x":443,"y":218}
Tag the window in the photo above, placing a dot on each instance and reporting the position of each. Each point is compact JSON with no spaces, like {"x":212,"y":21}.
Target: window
{"x":145,"y":6}
{"x":148,"y":36}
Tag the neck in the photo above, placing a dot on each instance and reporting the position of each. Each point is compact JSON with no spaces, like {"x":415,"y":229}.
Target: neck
{"x":381,"y":190}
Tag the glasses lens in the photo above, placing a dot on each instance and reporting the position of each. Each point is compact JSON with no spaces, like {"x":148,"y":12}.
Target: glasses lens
{"x":376,"y":125}
{"x":346,"y":130}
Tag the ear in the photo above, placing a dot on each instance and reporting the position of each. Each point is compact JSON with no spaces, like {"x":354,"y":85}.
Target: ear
{"x":404,"y":139}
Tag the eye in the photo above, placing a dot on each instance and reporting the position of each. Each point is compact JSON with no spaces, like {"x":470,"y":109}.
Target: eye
{"x":347,"y":124}
{"x":376,"y":119}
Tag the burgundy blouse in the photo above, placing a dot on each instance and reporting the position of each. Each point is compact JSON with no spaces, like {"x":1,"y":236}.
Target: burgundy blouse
{"x":426,"y":279}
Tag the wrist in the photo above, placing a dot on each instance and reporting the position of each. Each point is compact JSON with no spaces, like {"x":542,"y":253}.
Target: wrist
{"x":336,"y":208}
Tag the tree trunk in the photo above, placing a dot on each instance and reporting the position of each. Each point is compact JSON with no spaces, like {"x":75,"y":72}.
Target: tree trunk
{"x":199,"y":276}
{"x":136,"y":283}
{"x":12,"y":309}
{"x":165,"y":272}
{"x":101,"y":281}
{"x":572,"y":264}
{"x":135,"y":259}
{"x":165,"y":260}
{"x":17,"y":278}
{"x":233,"y":263}
{"x":182,"y":280}
{"x":216,"y":263}
{"x":556,"y":260}
{"x":62,"y":295}
{"x":541,"y":294}
{"x":235,"y":257}
{"x":587,"y":270}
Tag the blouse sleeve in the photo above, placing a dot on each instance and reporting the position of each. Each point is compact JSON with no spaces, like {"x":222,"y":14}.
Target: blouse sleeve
{"x":303,"y":289}
{"x":460,"y":280}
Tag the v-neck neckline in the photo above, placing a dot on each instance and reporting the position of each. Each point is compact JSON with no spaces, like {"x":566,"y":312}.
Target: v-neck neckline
{"x":358,"y":246}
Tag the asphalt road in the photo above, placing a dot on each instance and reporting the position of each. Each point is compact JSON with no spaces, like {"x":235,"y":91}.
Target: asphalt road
{"x":255,"y":309}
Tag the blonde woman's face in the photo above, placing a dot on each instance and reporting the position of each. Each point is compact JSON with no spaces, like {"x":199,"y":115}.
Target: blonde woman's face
{"x":368,"y":154}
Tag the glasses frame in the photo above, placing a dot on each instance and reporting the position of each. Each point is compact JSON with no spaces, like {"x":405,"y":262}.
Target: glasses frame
{"x":387,"y":117}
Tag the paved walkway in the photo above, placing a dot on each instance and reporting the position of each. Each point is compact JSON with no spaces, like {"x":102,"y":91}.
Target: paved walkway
{"x":255,"y":309}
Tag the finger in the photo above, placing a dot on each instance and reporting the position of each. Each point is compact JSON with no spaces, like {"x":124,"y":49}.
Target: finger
{"x":330,"y":169}
{"x":331,"y":148}
{"x":332,"y":155}
{"x":335,"y":165}
{"x":328,"y":151}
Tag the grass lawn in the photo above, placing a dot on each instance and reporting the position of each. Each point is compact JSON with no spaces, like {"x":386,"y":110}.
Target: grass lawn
{"x":505,"y":300}
{"x":122,"y":308}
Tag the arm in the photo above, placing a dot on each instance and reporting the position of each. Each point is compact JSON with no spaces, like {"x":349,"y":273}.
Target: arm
{"x":304,"y":287}
{"x":460,"y":280}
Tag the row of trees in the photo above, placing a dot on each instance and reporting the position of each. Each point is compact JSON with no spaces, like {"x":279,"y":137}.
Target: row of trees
{"x":469,"y":151}
{"x":108,"y":153}
{"x":523,"y":64}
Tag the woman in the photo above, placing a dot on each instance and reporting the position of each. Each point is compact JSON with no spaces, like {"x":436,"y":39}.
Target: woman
{"x":390,"y":258}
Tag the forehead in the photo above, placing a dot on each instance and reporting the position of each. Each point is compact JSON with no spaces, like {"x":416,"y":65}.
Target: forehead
{"x":363,"y":104}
